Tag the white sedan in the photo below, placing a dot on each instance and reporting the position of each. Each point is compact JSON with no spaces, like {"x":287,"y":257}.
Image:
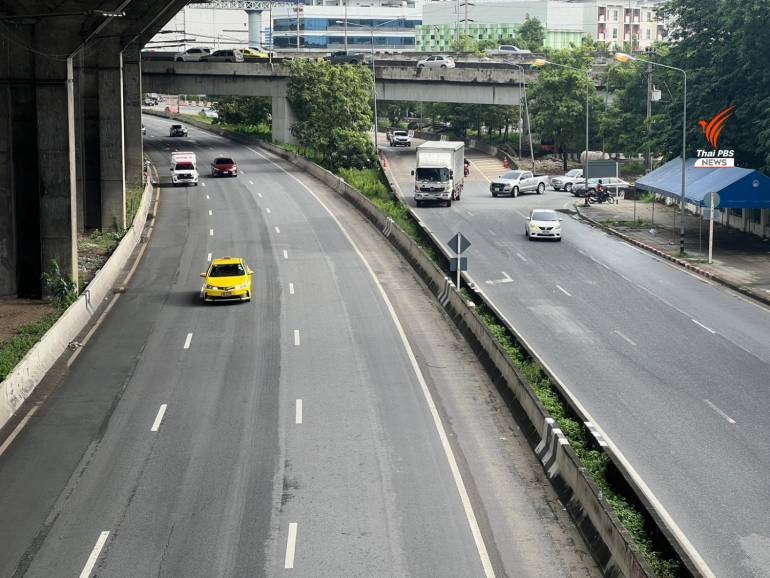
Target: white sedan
{"x":543,"y":224}
{"x":436,"y":61}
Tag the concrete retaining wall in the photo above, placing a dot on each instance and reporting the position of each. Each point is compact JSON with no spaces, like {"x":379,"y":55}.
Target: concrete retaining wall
{"x":22,"y":381}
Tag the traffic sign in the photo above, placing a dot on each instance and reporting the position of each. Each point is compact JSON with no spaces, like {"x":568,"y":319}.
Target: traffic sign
{"x":463,"y":263}
{"x":464,"y":243}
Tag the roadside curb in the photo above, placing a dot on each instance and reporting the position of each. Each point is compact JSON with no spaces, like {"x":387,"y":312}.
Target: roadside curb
{"x":33,"y":367}
{"x":680,"y":262}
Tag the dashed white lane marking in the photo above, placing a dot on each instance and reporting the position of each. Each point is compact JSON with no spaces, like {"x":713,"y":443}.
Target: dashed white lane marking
{"x":277,"y":230}
{"x":298,"y":412}
{"x":704,"y":327}
{"x":17,"y":430}
{"x":209,"y":258}
{"x":626,"y":338}
{"x":259,"y":195}
{"x":563,"y":290}
{"x":491,"y":232}
{"x":159,"y":417}
{"x":210,"y":213}
{"x":291,"y":288}
{"x":267,"y":210}
{"x":203,"y":184}
{"x":719,"y":411}
{"x":522,"y":257}
{"x":211,"y":232}
{"x":251,"y":182}
{"x":470,"y":515}
{"x":91,"y":562}
{"x":468,"y":213}
{"x":187,"y":341}
{"x":207,"y":197}
{"x":296,"y":337}
{"x":291,"y":544}
{"x":285,"y":254}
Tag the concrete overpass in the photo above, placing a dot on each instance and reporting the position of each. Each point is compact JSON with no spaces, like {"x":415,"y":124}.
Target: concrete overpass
{"x":70,"y":121}
{"x":464,"y":85}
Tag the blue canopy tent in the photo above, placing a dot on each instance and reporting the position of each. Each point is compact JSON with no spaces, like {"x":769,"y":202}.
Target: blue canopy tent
{"x":737,"y":188}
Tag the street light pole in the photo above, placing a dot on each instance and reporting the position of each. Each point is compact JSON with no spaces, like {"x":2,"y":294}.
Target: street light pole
{"x":623,"y":57}
{"x":523,"y":87}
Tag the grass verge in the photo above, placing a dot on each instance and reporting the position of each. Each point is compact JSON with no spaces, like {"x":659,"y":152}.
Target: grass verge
{"x":13,"y":350}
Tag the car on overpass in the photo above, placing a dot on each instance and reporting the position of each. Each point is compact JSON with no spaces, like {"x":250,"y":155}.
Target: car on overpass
{"x":227,"y":279}
{"x":543,"y":224}
{"x":348,"y":57}
{"x":437,"y":61}
{"x":507,"y":50}
{"x":192,"y":54}
{"x":227,"y":55}
{"x":254,"y":53}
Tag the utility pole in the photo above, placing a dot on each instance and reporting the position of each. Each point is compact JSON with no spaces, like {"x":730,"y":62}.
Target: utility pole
{"x":648,"y":160}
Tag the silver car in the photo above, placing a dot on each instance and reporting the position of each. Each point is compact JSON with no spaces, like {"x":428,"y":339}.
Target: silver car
{"x":437,"y":61}
{"x":567,"y":181}
{"x":543,"y":224}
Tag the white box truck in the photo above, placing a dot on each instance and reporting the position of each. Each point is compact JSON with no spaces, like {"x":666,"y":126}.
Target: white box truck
{"x":184,"y":169}
{"x":439,"y":174}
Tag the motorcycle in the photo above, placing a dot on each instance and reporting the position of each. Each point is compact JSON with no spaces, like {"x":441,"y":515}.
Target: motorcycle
{"x":466,"y":169}
{"x":600,"y":197}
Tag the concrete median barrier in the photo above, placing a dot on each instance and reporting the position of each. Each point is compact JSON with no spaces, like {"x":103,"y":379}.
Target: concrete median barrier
{"x":25,"y":377}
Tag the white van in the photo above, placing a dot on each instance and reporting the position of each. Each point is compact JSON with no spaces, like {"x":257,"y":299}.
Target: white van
{"x":184,"y":169}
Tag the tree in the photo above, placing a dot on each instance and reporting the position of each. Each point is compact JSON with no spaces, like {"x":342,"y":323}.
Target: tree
{"x":334,"y":111}
{"x":724,"y":50}
{"x":465,"y":43}
{"x":530,"y":35}
{"x":624,"y":126}
{"x":557,"y":101}
{"x":242,"y":110}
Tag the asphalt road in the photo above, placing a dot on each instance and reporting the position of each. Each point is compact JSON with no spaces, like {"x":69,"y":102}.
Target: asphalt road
{"x":674,"y":369}
{"x":295,"y":435}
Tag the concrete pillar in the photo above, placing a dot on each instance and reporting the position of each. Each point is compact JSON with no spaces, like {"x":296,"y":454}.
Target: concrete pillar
{"x":132,"y":115}
{"x":55,"y":108}
{"x":283,"y":119}
{"x":87,"y":140}
{"x":112,"y":173}
{"x":7,"y":211}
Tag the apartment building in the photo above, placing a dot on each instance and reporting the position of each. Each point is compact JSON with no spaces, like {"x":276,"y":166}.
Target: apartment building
{"x":632,"y":22}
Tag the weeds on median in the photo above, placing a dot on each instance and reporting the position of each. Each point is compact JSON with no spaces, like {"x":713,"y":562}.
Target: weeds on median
{"x":13,"y":350}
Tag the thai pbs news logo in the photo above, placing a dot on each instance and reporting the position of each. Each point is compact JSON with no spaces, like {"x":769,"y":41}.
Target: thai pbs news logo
{"x":715,"y":158}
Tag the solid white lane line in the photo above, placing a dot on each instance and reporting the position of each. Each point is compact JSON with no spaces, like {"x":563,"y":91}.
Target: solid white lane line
{"x":563,"y":290}
{"x":211,"y":232}
{"x":159,"y":417}
{"x":187,"y":341}
{"x":210,"y":213}
{"x":209,"y":258}
{"x":277,"y":230}
{"x":291,"y":288}
{"x":285,"y":254}
{"x":291,"y":544}
{"x":719,"y":411}
{"x":296,"y":337}
{"x":522,"y":257}
{"x":17,"y":430}
{"x":251,"y":182}
{"x":298,"y":412}
{"x":620,"y":334}
{"x":704,"y":327}
{"x":267,"y":210}
{"x":207,"y":197}
{"x":91,"y":562}
{"x":470,"y":515}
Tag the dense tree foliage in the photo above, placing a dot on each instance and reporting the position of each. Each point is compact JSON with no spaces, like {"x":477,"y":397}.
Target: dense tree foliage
{"x":242,"y":110}
{"x":623,"y":126}
{"x":333,"y":108}
{"x":530,"y":35}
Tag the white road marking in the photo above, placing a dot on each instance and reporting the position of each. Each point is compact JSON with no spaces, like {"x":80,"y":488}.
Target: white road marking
{"x":719,"y":411}
{"x":470,"y":515}
{"x":291,"y":544}
{"x":211,"y":232}
{"x":267,"y":210}
{"x":563,"y":290}
{"x":210,"y":213}
{"x":478,"y":169}
{"x":187,"y":341}
{"x":91,"y":562}
{"x":207,"y":197}
{"x":491,"y":232}
{"x":291,"y":288}
{"x":17,"y":430}
{"x":159,"y":417}
{"x":468,"y":213}
{"x":209,"y":258}
{"x":506,"y":279}
{"x":285,"y":254}
{"x":625,"y":337}
{"x":203,"y":184}
{"x":522,"y":257}
{"x":298,"y":412}
{"x":704,"y":327}
{"x":296,"y":337}
{"x":522,"y":215}
{"x":259,"y":195}
{"x":277,"y":230}
{"x":251,"y":182}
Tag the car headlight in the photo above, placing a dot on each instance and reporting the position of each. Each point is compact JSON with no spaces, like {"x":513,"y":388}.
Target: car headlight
{"x":242,"y":286}
{"x":212,"y":287}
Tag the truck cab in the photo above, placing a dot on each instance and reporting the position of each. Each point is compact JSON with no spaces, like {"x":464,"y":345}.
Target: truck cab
{"x":439,"y":176}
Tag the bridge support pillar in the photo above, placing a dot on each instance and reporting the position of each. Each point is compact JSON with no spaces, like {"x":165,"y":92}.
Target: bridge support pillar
{"x":7,"y":212}
{"x":132,"y":115}
{"x":283,"y":119}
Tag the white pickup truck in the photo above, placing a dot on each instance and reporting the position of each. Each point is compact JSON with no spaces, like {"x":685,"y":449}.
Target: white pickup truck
{"x":515,"y":182}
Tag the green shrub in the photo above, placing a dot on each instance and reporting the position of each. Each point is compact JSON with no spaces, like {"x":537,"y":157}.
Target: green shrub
{"x":62,"y":288}
{"x":12,"y":351}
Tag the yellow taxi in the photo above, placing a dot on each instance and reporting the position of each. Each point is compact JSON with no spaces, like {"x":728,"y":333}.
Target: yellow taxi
{"x":227,"y":279}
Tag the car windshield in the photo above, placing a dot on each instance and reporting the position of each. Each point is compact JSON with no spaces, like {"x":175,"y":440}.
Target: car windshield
{"x":224,"y":161}
{"x":433,"y":175}
{"x":544,"y":216}
{"x":400,"y":133}
{"x":184,"y":167}
{"x":574,"y":173}
{"x":227,"y":270}
{"x":512,"y":175}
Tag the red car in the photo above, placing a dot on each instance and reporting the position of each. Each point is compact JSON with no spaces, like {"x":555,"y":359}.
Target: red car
{"x":224,"y":166}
